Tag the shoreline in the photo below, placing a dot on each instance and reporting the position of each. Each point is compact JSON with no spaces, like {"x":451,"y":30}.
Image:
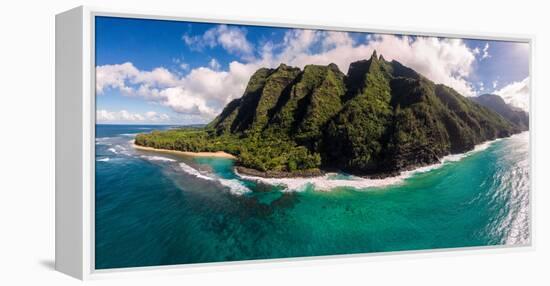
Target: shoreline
{"x":280,"y":174}
{"x":324,"y":182}
{"x":218,"y":154}
{"x":256,"y":175}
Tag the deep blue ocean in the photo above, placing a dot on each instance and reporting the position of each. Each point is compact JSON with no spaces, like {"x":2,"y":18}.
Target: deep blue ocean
{"x":156,"y":208}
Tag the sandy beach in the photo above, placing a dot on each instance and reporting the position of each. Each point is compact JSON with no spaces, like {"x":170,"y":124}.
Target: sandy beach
{"x":219,"y":154}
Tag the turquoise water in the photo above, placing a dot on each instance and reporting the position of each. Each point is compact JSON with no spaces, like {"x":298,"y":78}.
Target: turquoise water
{"x":160,"y":209}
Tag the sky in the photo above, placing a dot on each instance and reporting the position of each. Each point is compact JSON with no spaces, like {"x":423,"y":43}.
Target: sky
{"x":175,"y":72}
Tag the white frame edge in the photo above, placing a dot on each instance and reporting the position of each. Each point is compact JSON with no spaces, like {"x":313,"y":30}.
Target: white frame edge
{"x":75,"y":145}
{"x":73,"y":151}
{"x":69,"y":73}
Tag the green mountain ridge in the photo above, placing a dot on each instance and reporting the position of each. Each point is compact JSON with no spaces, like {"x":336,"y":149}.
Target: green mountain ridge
{"x":379,"y":119}
{"x":513,"y":114}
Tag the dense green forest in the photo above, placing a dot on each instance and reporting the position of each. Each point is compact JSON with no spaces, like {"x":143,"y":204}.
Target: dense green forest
{"x":379,"y":119}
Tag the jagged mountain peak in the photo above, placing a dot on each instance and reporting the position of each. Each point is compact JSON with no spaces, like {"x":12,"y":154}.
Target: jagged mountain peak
{"x":380,"y":117}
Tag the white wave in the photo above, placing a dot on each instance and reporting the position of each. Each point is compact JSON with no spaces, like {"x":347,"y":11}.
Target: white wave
{"x":235,"y":186}
{"x":103,"y":141}
{"x":328,"y":182}
{"x":158,"y":158}
{"x":129,"y":134}
{"x":194,"y":172}
{"x":325,"y":182}
{"x":103,"y":138}
{"x":119,"y":149}
{"x":450,"y":158}
{"x":107,"y":159}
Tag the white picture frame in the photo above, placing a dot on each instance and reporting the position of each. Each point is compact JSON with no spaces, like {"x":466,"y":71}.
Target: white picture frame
{"x":75,"y":139}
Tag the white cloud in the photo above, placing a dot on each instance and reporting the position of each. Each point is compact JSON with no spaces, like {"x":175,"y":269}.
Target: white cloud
{"x":117,"y":76}
{"x":214,"y":64}
{"x":204,"y":91}
{"x":180,"y":62}
{"x":114,"y":76}
{"x":495,"y":84}
{"x":184,"y":66}
{"x":124,"y":116}
{"x":337,"y":39}
{"x":158,"y":77}
{"x":447,"y":61}
{"x":232,"y":39}
{"x":516,"y":93}
{"x":485,"y":52}
{"x":183,"y":101}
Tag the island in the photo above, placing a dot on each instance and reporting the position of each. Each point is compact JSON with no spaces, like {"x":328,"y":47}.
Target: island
{"x":379,"y":119}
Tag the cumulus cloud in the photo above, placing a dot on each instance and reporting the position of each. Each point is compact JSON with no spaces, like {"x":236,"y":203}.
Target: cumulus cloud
{"x":114,"y":76}
{"x":181,"y":63}
{"x":204,"y":91}
{"x":516,"y":93}
{"x":447,"y":61}
{"x":485,"y":52}
{"x":124,"y":116}
{"x":119,"y":75}
{"x":334,"y":39}
{"x":184,"y":66}
{"x":214,"y":64}
{"x":232,"y":39}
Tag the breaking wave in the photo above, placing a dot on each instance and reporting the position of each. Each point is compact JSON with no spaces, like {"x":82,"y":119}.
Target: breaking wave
{"x":234,"y":185}
{"x":157,"y":158}
{"x":331,"y":181}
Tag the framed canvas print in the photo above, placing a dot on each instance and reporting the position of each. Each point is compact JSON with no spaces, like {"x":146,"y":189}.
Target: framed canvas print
{"x":183,"y":141}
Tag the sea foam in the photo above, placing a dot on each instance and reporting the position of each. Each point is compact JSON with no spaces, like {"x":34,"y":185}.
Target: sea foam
{"x":194,"y":172}
{"x":325,"y":182}
{"x":158,"y":158}
{"x":328,"y":181}
{"x":234,"y":185}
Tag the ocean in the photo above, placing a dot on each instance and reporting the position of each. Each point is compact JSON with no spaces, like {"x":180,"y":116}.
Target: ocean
{"x":156,"y":209}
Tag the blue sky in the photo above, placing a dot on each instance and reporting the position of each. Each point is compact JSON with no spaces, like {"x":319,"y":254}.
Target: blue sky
{"x":173,"y":72}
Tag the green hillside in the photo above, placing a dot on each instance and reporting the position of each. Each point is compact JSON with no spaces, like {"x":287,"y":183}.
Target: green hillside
{"x":379,"y":119}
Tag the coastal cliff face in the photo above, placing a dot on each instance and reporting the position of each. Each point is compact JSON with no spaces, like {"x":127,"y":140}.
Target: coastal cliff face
{"x":513,"y":114}
{"x":379,"y":119}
